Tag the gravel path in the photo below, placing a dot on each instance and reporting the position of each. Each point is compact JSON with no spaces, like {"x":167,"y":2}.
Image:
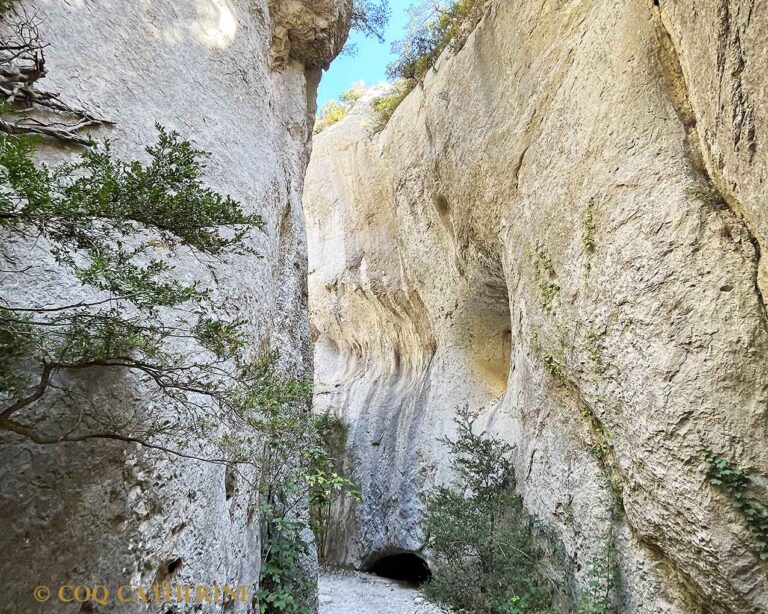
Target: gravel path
{"x":352,"y":592}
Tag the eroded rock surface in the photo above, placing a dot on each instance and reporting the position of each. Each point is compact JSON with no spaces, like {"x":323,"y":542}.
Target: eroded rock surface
{"x":563,"y":225}
{"x":107,"y":513}
{"x":310,"y":32}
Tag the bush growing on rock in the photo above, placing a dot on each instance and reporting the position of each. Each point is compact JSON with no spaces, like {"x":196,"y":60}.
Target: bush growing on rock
{"x":111,"y":223}
{"x":334,"y":111}
{"x":385,"y":106}
{"x":433,"y":28}
{"x":483,"y":556}
{"x":331,"y":113}
{"x":328,"y":484}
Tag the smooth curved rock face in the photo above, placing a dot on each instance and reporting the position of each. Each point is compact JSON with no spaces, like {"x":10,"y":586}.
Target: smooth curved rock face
{"x":104,"y":513}
{"x":452,"y":261}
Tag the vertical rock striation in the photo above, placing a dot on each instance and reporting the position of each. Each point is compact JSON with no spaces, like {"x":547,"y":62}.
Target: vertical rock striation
{"x":564,"y":225}
{"x":107,"y":513}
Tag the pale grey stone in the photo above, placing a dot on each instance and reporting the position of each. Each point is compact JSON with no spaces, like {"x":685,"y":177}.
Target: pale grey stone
{"x":106,"y":513}
{"x":424,"y":242}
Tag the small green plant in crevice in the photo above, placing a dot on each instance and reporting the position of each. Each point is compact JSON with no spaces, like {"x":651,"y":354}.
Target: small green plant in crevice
{"x":602,"y":581}
{"x":483,"y":557}
{"x":706,"y":193}
{"x":739,"y":487}
{"x":595,"y":353}
{"x":602,"y":450}
{"x":542,"y":261}
{"x":328,"y":485}
{"x":548,"y":291}
{"x":544,"y":272}
{"x":599,"y":450}
{"x":617,"y":488}
{"x":597,"y":596}
{"x":553,"y":367}
{"x":589,"y":227}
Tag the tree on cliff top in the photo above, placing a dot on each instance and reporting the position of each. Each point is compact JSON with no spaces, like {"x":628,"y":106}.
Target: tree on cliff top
{"x":370,"y":17}
{"x":433,"y":27}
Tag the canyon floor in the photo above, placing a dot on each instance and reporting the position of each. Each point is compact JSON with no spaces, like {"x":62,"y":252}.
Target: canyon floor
{"x":351,"y":592}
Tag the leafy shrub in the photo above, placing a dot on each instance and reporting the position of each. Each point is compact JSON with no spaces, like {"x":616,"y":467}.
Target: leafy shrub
{"x":601,"y":583}
{"x":385,"y":106}
{"x":105,"y":218}
{"x":432,"y":29}
{"x":331,"y":113}
{"x":112,"y":222}
{"x":352,"y":95}
{"x":327,"y":482}
{"x":737,"y":484}
{"x":483,"y":557}
{"x":334,"y":111}
{"x":281,"y":587}
{"x":315,"y":443}
{"x":96,"y":213}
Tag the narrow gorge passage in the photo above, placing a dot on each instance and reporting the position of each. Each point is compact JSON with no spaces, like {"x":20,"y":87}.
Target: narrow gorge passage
{"x":553,"y":234}
{"x":456,"y":305}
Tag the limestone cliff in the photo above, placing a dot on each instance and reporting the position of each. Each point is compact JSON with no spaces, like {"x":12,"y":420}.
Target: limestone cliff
{"x":103,"y":512}
{"x":564,"y":225}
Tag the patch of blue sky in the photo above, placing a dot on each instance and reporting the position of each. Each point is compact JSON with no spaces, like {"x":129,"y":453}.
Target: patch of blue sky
{"x":370,"y":62}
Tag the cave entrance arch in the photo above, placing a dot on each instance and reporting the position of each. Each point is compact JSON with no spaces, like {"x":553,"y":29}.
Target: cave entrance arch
{"x":403,"y":566}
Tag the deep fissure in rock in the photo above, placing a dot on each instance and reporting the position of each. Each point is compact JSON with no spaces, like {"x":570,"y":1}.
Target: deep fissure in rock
{"x":405,"y":566}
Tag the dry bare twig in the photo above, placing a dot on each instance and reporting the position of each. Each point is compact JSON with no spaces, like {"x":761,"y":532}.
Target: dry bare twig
{"x":28,"y":109}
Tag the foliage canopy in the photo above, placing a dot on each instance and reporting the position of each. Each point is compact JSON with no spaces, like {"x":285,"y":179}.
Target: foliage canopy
{"x":433,"y":27}
{"x":371,"y":17}
{"x":483,"y":556}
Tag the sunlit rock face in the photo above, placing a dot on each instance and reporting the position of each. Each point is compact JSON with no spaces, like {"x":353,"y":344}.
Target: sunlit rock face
{"x":107,"y":513}
{"x":563,"y":226}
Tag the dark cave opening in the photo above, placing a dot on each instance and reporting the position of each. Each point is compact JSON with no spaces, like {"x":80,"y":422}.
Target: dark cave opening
{"x":406,"y":567}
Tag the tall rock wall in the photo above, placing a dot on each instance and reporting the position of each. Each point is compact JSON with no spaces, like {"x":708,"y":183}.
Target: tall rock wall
{"x":563,"y":225}
{"x":238,"y":77}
